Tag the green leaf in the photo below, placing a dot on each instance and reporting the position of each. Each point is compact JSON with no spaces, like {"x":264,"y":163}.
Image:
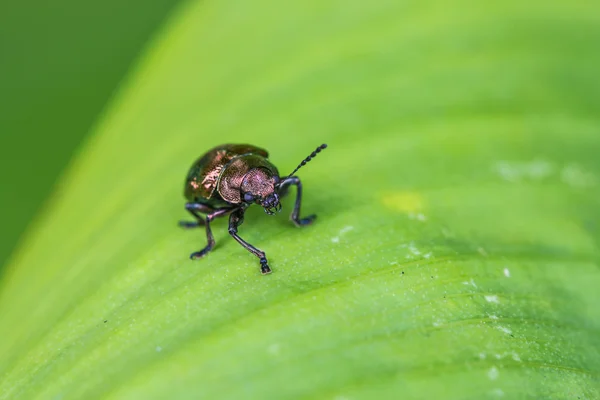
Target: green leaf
{"x":60,"y":63}
{"x":456,"y":250}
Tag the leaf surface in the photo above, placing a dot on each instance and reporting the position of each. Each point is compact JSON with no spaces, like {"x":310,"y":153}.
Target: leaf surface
{"x":455,"y":254}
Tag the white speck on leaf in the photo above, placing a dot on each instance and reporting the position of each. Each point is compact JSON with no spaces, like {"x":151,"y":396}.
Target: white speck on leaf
{"x":575,"y":175}
{"x":507,"y":171}
{"x":413,"y":250}
{"x":418,"y":216}
{"x":492,"y":298}
{"x":492,"y":316}
{"x":470,"y":282}
{"x":346,"y":229}
{"x":504,"y":329}
{"x":158,"y":349}
{"x":539,"y":169}
{"x":516,"y":357}
{"x":572,"y":174}
{"x":498,"y":392}
{"x":493,"y":373}
{"x":273,"y":349}
{"x":514,"y":171}
{"x":506,"y":273}
{"x":482,"y":356}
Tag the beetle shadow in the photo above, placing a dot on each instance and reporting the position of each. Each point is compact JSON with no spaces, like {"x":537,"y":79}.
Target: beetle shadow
{"x":319,"y":200}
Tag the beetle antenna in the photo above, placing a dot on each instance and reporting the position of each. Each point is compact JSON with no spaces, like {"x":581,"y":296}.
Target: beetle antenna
{"x":307,"y":159}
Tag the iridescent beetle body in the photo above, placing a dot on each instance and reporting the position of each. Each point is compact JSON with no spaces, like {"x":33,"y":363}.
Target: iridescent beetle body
{"x":212,"y":176}
{"x":227,"y":180}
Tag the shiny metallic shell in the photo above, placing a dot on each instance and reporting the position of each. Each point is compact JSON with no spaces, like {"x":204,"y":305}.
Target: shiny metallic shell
{"x":203,"y":177}
{"x":230,"y":181}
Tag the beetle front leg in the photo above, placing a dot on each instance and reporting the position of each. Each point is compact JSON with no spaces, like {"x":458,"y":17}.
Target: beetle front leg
{"x":236,"y":219}
{"x":209,"y":236}
{"x":295,"y":216}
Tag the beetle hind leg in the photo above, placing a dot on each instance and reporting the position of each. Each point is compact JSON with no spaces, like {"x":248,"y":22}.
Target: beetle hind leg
{"x":209,"y":239}
{"x":195,"y":209}
{"x":191,"y":224}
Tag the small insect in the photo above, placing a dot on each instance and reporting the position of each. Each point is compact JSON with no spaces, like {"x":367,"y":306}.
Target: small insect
{"x":227,"y":180}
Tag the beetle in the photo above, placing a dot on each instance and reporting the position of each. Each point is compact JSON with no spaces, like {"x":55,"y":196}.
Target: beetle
{"x":228,"y":179}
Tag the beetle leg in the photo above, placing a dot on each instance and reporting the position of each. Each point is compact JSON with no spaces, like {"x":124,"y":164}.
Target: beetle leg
{"x":195,"y":209}
{"x":209,"y":236}
{"x":191,"y":224}
{"x":295,"y":216}
{"x":236,"y":219}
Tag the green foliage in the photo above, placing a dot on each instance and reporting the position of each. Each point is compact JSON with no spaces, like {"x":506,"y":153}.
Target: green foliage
{"x":60,"y":62}
{"x":456,"y":250}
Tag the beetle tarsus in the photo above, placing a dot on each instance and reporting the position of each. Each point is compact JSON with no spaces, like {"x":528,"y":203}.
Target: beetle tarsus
{"x":305,"y":221}
{"x":191,"y":224}
{"x":264,"y":267}
{"x":295,"y":216}
{"x":235,"y":220}
{"x":199,"y":254}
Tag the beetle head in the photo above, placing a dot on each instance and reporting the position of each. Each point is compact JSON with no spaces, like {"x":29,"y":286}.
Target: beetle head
{"x":258,"y":186}
{"x":271,"y":204}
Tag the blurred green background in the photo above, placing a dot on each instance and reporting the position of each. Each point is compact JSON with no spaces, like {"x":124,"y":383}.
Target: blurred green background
{"x":60,"y":63}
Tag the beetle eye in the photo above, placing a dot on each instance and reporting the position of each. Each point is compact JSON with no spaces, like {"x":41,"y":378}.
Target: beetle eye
{"x":248,"y":198}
